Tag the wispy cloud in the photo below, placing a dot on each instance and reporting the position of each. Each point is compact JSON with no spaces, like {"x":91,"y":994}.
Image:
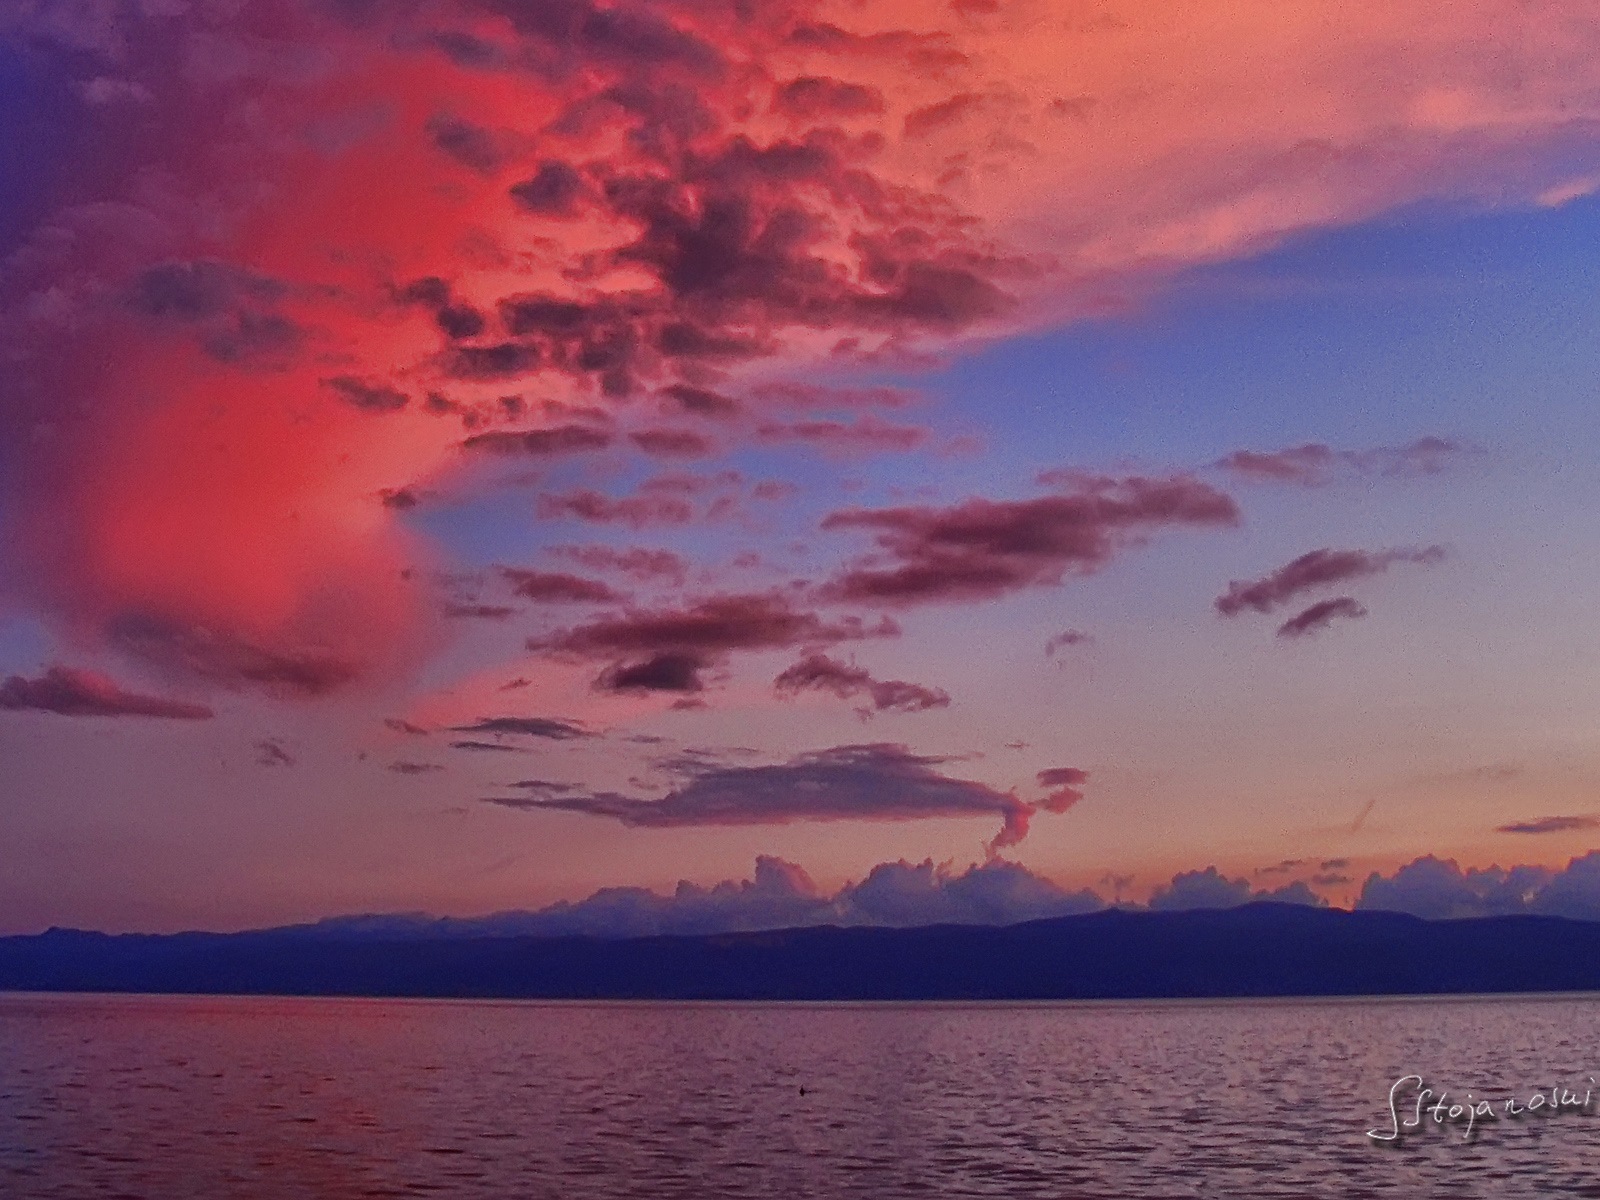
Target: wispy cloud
{"x":1320,"y":615}
{"x":73,"y":693}
{"x":877,"y":782}
{"x":1318,"y":568}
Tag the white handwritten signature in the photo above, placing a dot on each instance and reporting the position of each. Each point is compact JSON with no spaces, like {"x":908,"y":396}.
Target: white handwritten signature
{"x":1471,"y":1110}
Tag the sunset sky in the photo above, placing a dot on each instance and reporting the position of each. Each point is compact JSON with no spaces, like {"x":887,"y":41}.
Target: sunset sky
{"x":456,"y":455}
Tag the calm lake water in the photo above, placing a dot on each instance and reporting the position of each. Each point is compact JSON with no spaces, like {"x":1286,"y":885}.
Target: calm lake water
{"x":167,"y":1097}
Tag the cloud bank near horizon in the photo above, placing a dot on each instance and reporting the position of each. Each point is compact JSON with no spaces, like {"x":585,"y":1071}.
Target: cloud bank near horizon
{"x":901,"y":894}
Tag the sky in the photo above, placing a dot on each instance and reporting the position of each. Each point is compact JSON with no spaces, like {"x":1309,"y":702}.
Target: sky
{"x":463,"y":455}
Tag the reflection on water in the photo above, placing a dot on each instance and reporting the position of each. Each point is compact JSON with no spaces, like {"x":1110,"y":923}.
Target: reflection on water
{"x":168,"y":1097}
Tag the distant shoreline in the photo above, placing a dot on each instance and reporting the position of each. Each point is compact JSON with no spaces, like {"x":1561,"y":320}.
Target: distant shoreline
{"x":1257,"y":952}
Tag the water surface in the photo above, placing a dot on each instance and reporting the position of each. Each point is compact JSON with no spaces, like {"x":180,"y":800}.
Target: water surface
{"x":175,"y":1097}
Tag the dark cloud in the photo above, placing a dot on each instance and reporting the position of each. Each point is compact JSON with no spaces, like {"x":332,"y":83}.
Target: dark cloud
{"x":367,"y":396}
{"x":1318,"y":568}
{"x":879,"y":782}
{"x":232,"y":311}
{"x":406,"y":727}
{"x":552,"y":191}
{"x":74,"y":693}
{"x":399,"y":498}
{"x":637,"y":563}
{"x":1285,"y":867}
{"x":712,"y":626}
{"x":414,"y":768}
{"x":455,"y":318}
{"x":818,"y":672}
{"x":984,"y":548}
{"x":1317,"y":464}
{"x":1551,"y":825}
{"x":544,"y":786}
{"x":246,"y":337}
{"x":672,"y":443}
{"x":742,"y":242}
{"x":478,"y":612}
{"x":196,"y":291}
{"x":668,"y":671}
{"x":556,"y":587}
{"x":813,"y":395}
{"x":488,"y":746}
{"x":541,"y":443}
{"x":541,"y":727}
{"x":812,"y":96}
{"x":1320,"y":615}
{"x":232,"y":661}
{"x":459,"y":321}
{"x":702,"y":402}
{"x":271,"y":752}
{"x":471,"y":145}
{"x":866,"y":435}
{"x":485,"y":364}
{"x":565,"y":35}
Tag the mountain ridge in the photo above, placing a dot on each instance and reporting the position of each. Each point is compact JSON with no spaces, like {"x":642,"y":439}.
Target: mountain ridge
{"x":1256,"y":950}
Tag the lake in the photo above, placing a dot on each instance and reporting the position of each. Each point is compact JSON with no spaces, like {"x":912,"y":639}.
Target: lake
{"x":175,"y":1097}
